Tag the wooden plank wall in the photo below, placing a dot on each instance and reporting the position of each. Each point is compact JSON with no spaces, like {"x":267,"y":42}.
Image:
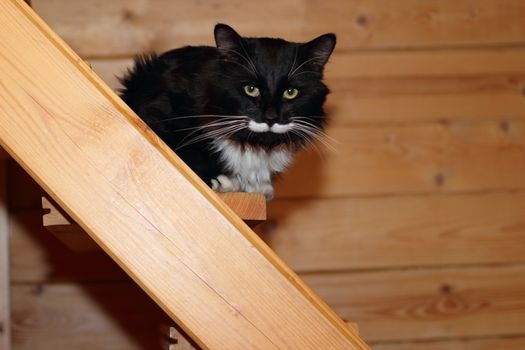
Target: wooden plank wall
{"x":414,"y":227}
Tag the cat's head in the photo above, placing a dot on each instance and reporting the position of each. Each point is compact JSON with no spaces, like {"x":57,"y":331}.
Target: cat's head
{"x":277,"y":85}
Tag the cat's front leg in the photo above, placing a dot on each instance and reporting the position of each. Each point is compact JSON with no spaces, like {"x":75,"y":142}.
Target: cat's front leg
{"x":263,"y":187}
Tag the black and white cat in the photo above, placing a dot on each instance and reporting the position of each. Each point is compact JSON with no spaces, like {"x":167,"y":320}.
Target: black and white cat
{"x":235,"y":113}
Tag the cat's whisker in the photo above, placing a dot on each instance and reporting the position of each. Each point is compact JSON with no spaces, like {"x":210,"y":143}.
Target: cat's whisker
{"x":213,"y":123}
{"x":209,"y":125}
{"x":305,"y":121}
{"x":309,"y":117}
{"x":294,"y":60}
{"x":322,"y":137}
{"x":308,"y":141}
{"x":245,"y":58}
{"x":302,"y":64}
{"x":248,"y":57}
{"x":317,"y":134}
{"x":307,"y":71}
{"x":241,"y":65}
{"x":240,"y":117}
{"x":216,"y":133}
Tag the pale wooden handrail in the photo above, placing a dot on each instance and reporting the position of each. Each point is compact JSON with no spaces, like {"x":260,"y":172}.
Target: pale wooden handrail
{"x":250,"y":207}
{"x":143,"y":206}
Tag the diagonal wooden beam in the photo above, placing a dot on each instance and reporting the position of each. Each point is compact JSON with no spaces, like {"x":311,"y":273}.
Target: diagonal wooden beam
{"x":143,"y":206}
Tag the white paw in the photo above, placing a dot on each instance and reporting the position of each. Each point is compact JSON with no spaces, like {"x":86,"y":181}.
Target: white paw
{"x":224,"y":183}
{"x":265,"y":188}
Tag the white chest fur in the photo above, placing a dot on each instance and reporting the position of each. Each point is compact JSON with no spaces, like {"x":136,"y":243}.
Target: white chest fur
{"x":253,"y":168}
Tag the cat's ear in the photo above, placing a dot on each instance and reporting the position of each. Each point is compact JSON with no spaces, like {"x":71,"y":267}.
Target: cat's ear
{"x":320,"y":48}
{"x":226,"y":37}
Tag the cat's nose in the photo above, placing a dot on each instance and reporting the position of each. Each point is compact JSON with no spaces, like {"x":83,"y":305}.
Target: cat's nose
{"x":272,"y":117}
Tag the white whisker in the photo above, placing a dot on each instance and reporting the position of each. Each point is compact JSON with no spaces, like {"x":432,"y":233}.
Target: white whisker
{"x":241,"y":65}
{"x":302,"y":64}
{"x":201,"y":116}
{"x":294,"y":60}
{"x":217,"y":133}
{"x":209,"y":125}
{"x":245,"y":58}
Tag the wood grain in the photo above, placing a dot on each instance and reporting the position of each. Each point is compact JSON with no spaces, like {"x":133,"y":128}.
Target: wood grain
{"x":327,"y":235}
{"x":439,"y":306}
{"x":411,"y":159}
{"x":402,"y":305}
{"x":251,"y":207}
{"x":5,"y":295}
{"x":507,"y":343}
{"x":69,"y":316}
{"x":397,"y":232}
{"x":108,"y":157}
{"x":95,"y":28}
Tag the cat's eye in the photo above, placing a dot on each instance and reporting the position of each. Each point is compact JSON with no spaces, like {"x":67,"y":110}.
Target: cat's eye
{"x":290,"y":93}
{"x":251,"y":90}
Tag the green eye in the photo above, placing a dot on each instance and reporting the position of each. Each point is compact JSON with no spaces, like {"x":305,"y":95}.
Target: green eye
{"x":251,"y":90}
{"x":290,"y":93}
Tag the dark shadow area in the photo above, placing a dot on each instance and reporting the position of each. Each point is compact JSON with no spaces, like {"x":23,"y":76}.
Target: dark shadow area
{"x":42,"y":266}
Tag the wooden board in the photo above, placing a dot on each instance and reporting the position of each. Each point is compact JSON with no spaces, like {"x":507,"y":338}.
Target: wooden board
{"x":116,"y":180}
{"x":327,"y":235}
{"x":393,"y":309}
{"x":507,"y":343}
{"x":388,"y":232}
{"x":412,"y":159}
{"x":458,"y":62}
{"x":410,"y":87}
{"x":417,"y":304}
{"x":86,"y":316}
{"x":128,"y":27}
{"x":40,"y":257}
{"x":5,"y":300}
{"x":250,"y":207}
{"x":99,"y":316}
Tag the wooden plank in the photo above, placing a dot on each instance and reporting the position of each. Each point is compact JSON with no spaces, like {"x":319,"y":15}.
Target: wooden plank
{"x":327,"y":234}
{"x":423,"y":305}
{"x":5,"y":301}
{"x":39,"y":257}
{"x":422,"y":99}
{"x":374,"y":24}
{"x":93,"y":316}
{"x":411,"y":159}
{"x":250,"y":207}
{"x":507,"y":343}
{"x":385,"y":64}
{"x":413,"y":86}
{"x":388,"y":232}
{"x":186,"y":258}
{"x":432,"y":304}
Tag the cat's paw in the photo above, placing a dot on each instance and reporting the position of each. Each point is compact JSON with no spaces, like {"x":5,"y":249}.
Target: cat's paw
{"x":265,"y":188}
{"x":224,"y":183}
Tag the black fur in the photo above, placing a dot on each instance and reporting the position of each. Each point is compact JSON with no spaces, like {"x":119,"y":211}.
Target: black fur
{"x":194,"y":81}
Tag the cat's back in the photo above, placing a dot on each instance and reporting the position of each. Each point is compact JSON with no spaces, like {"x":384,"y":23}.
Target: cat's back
{"x":152,"y":76}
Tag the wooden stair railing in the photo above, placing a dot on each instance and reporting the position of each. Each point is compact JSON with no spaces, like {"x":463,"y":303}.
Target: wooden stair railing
{"x":250,"y":207}
{"x":148,"y":211}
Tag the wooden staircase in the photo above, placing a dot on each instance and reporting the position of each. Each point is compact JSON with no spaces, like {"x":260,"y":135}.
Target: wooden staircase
{"x":248,"y":206}
{"x":144,"y":207}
